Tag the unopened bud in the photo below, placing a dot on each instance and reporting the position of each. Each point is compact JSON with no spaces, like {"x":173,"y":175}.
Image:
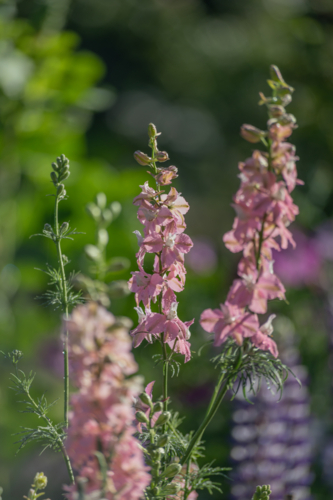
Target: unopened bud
{"x":92,"y":252}
{"x":142,"y":158}
{"x":165,"y":175}
{"x":158,"y":407}
{"x":163,"y":440}
{"x":101,"y":200}
{"x":93,"y":210}
{"x":64,"y":227}
{"x":172,"y":470}
{"x":40,"y":481}
{"x":48,"y":227}
{"x":64,"y":176}
{"x":103,"y":237}
{"x":55,"y":166}
{"x":145,"y":398}
{"x":163,"y":418}
{"x":115,"y":208}
{"x":161,"y":156}
{"x":171,"y":489}
{"x":107,"y":215}
{"x":152,"y":131}
{"x":141,"y":417}
{"x":251,"y":133}
{"x":276,"y":74}
{"x":276,"y":111}
{"x":60,"y":190}
{"x":54,"y":178}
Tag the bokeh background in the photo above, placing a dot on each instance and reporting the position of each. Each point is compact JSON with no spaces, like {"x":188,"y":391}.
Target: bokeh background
{"x":84,"y":78}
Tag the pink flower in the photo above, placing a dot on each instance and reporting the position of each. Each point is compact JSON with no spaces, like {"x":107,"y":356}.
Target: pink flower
{"x":230,"y":320}
{"x":174,"y":248}
{"x":262,"y":338}
{"x":145,"y":286}
{"x":254,"y":289}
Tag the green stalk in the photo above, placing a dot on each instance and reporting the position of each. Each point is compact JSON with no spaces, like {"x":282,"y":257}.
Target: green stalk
{"x":58,"y":438}
{"x":197,"y":436}
{"x":65,"y":306}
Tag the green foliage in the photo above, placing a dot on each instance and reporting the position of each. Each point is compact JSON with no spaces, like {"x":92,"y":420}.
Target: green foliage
{"x":55,"y":297}
{"x":250,"y":366}
{"x":51,"y":436}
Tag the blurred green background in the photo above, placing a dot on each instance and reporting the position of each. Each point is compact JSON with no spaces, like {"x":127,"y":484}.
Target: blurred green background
{"x":84,"y":78}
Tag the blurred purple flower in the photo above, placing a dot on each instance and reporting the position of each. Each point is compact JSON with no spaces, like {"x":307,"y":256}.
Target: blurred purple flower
{"x":202,"y":259}
{"x":301,"y":266}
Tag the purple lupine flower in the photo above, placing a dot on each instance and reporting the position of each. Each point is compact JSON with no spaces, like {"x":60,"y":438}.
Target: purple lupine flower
{"x":271,"y":442}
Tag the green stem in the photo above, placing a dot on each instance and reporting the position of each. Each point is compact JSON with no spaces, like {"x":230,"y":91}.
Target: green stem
{"x":197,"y":436}
{"x":65,"y":306}
{"x":58,"y":438}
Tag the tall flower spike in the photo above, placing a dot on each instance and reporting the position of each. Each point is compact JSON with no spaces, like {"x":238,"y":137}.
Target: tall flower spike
{"x":162,"y":217}
{"x":102,"y":415}
{"x":264,"y":210}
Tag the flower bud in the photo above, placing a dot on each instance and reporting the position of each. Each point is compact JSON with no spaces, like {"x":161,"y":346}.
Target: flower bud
{"x":146,"y":399}
{"x":158,"y":407}
{"x":54,"y":178}
{"x":103,"y":237}
{"x":141,"y":417}
{"x":161,"y":156}
{"x":40,"y":481}
{"x":152,"y":131}
{"x":142,"y":158}
{"x":276,"y":74}
{"x":48,"y":227}
{"x":92,"y":252}
{"x":64,"y":176}
{"x":115,"y":208}
{"x":276,"y":111}
{"x":163,"y":440}
{"x":101,"y":200}
{"x":166,"y":175}
{"x":163,"y":418}
{"x":55,"y":166}
{"x":171,"y":489}
{"x":172,"y":470}
{"x":107,"y":215}
{"x":251,"y":133}
{"x":64,"y":227}
{"x":93,"y":210}
{"x":61,"y":190}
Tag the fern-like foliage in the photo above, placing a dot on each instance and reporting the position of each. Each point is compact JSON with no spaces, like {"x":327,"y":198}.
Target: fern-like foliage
{"x":50,"y":435}
{"x":250,"y":366}
{"x":55,"y":297}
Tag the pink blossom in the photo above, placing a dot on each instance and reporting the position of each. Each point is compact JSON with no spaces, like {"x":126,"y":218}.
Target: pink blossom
{"x":262,"y":338}
{"x":175,"y":246}
{"x":145,"y":286}
{"x":230,"y":320}
{"x":254,"y":289}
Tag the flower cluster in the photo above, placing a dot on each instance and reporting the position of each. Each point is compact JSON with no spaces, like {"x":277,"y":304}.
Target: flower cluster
{"x":162,"y":216}
{"x":101,"y":414}
{"x":264,"y":209}
{"x":273,"y":442}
